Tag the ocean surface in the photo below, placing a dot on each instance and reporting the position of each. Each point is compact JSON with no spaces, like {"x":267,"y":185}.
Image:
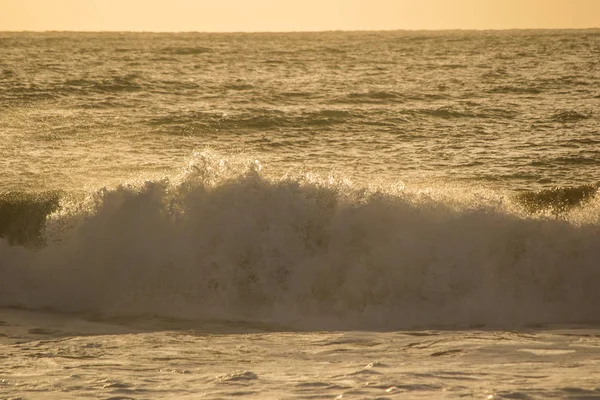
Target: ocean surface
{"x":337,"y":215}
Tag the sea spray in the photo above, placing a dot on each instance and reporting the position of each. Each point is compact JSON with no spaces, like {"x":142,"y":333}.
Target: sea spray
{"x":222,"y":240}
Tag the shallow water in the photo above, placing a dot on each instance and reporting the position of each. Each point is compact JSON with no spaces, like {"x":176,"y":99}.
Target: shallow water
{"x":57,"y":356}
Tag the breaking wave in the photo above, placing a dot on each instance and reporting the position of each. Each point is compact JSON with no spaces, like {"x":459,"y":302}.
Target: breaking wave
{"x":23,"y":216}
{"x":570,"y":116}
{"x":223,"y":240}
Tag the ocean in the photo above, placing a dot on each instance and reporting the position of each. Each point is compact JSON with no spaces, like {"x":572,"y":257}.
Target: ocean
{"x":334,"y":215}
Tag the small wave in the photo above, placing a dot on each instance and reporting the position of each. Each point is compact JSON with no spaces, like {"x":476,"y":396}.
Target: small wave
{"x":495,"y":73}
{"x":333,"y":50}
{"x":329,"y":117}
{"x":569,"y":116}
{"x":475,"y":111}
{"x":516,"y":90}
{"x":273,"y":119}
{"x":28,"y":94}
{"x":258,"y":119}
{"x":374,"y":96}
{"x":125,"y":83}
{"x":453,"y":66}
{"x":239,"y":86}
{"x":275,"y":61}
{"x":296,"y":94}
{"x":557,"y":200}
{"x":186,"y":51}
{"x":578,"y":160}
{"x":449,"y":112}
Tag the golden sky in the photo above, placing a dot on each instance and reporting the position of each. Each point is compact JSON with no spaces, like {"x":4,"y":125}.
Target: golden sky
{"x":294,"y":15}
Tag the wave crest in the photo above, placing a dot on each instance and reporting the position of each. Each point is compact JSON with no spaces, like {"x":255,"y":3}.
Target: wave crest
{"x":23,"y":216}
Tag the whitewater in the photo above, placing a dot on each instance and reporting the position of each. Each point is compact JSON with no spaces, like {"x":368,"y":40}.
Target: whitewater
{"x":308,"y":215}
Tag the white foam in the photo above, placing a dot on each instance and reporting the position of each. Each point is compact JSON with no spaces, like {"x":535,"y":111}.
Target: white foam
{"x":221,"y":240}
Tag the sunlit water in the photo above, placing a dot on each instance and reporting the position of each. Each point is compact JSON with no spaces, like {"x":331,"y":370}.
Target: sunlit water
{"x":310,"y":215}
{"x":515,"y":109}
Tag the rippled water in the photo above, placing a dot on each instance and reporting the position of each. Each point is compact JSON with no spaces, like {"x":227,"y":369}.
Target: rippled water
{"x":301,"y":215}
{"x":67,"y":358}
{"x":516,"y":110}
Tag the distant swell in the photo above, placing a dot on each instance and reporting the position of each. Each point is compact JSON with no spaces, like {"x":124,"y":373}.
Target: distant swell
{"x":569,"y":116}
{"x":224,"y":241}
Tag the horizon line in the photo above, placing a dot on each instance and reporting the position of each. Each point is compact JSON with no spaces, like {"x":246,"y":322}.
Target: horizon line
{"x":304,"y":31}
